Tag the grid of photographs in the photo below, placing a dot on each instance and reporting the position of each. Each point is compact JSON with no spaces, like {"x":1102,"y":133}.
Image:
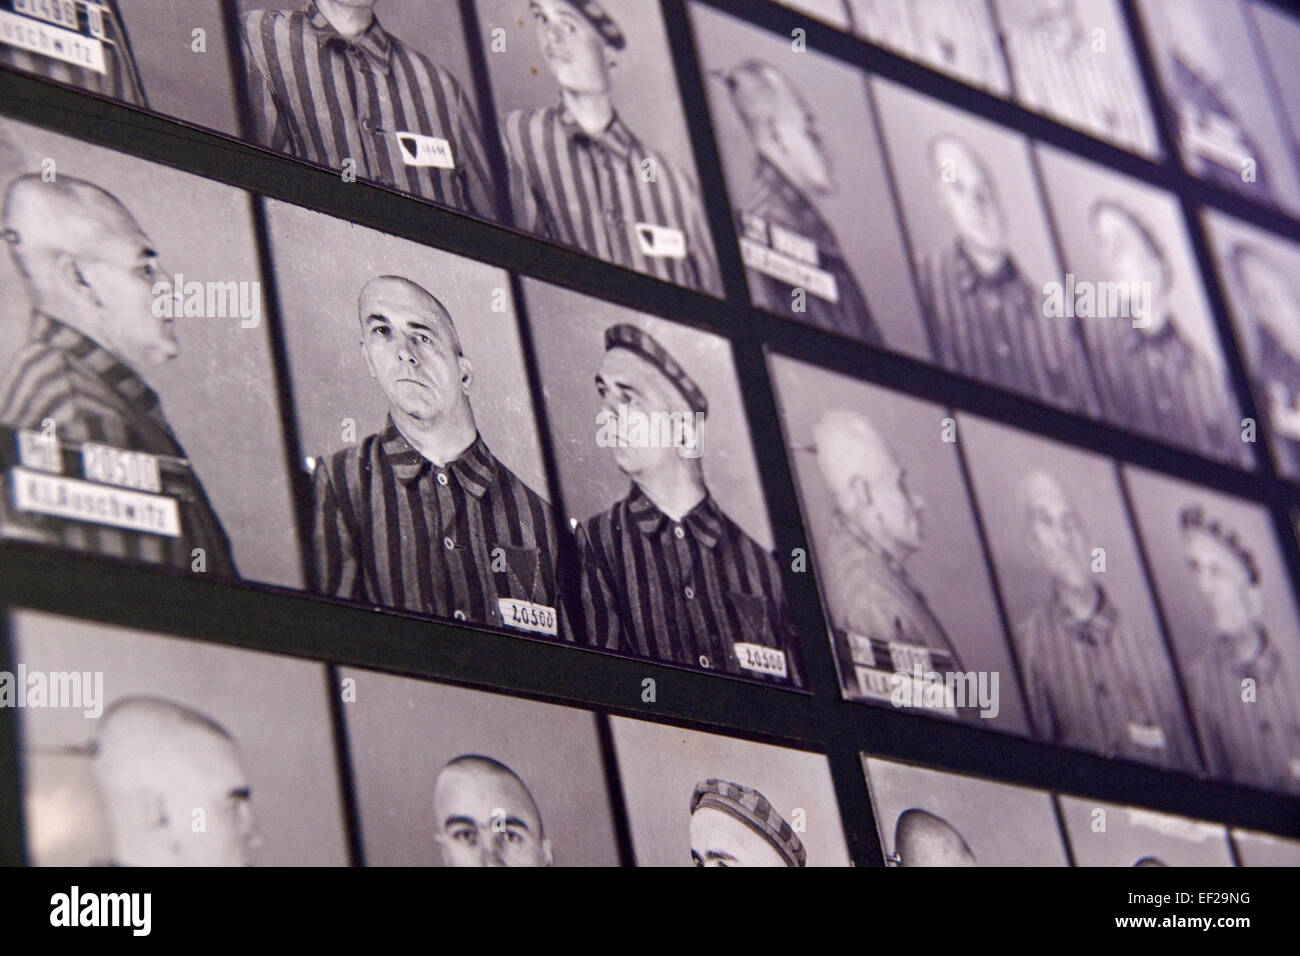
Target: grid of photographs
{"x":934,"y":360}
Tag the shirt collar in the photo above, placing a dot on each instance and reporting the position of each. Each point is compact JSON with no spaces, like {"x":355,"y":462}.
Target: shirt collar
{"x":103,"y":363}
{"x":773,"y":186}
{"x":1096,"y":628}
{"x":1261,"y":667}
{"x":970,"y":278}
{"x":473,"y":469}
{"x":704,"y":521}
{"x":615,"y":137}
{"x":374,"y":42}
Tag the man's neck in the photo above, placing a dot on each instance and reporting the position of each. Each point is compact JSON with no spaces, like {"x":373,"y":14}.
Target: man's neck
{"x":986,"y":261}
{"x":440,"y":440}
{"x":674,"y":491}
{"x":92,"y":330}
{"x":348,"y":21}
{"x":593,"y":112}
{"x":1080,"y":601}
{"x":1246,"y":644}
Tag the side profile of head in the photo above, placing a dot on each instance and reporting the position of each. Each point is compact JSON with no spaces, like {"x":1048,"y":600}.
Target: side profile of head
{"x":969,"y":193}
{"x":1053,"y":529}
{"x":1270,"y":293}
{"x":781,"y":125}
{"x":413,"y":351}
{"x":1223,"y":569}
{"x":88,"y":263}
{"x":580,"y":43}
{"x":923,"y":839}
{"x":868,"y":483}
{"x":486,"y":816}
{"x":173,"y":787}
{"x":1131,"y":251}
{"x":735,"y":825}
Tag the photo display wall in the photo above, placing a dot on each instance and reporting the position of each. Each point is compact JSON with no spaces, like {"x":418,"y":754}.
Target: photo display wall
{"x":750,"y":433}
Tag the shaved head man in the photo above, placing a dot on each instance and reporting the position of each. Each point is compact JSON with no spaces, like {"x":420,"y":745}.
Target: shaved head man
{"x":486,"y":816}
{"x":923,"y":839}
{"x":877,"y":526}
{"x":780,"y":219}
{"x":421,"y":515}
{"x":984,"y":318}
{"x":160,"y":768}
{"x":1091,"y":682}
{"x":92,"y":275}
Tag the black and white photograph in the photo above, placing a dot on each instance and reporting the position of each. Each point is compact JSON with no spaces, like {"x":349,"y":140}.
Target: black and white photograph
{"x":1105,"y":834}
{"x":159,"y":55}
{"x":956,"y":37}
{"x":590,"y":115}
{"x":698,"y":799}
{"x":895,"y":549}
{"x":1073,"y":61}
{"x":447,"y":776}
{"x":428,"y":491}
{"x":806,"y":178}
{"x":140,"y":749}
{"x":1264,"y":849}
{"x":1132,"y":282}
{"x":1277,"y":32}
{"x":1216,"y":97}
{"x":1226,"y":595}
{"x":139,"y":406}
{"x":982,"y":250}
{"x":828,"y":11}
{"x":1092,"y":657}
{"x":376,"y":90}
{"x":1258,"y":273}
{"x":930,"y":817}
{"x":661,"y":490}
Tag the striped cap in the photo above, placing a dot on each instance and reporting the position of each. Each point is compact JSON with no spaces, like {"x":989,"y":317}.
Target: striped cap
{"x":624,"y":336}
{"x":601,"y":20}
{"x":752,"y":809}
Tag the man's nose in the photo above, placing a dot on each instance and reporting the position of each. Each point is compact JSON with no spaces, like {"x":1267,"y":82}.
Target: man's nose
{"x":490,"y":850}
{"x":406,"y":352}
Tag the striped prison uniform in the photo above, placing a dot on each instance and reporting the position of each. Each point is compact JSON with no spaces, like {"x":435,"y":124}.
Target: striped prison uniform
{"x":121,"y":77}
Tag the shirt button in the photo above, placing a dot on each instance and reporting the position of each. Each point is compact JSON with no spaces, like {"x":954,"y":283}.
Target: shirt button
{"x":442,"y":478}
{"x":448,"y":543}
{"x":704,"y":661}
{"x":678,"y":532}
{"x":365,"y":124}
{"x":689,"y":592}
{"x":459,"y":615}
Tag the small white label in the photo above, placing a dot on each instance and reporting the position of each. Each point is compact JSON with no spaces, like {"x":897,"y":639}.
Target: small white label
{"x":910,"y":658}
{"x":1146,"y":735}
{"x":861,"y":651}
{"x":662,"y":241}
{"x":526,"y":616}
{"x":35,"y":450}
{"x":761,"y":659}
{"x":792,"y":272}
{"x":49,"y":40}
{"x":794,"y":245}
{"x":420,"y":150}
{"x":117,"y":466}
{"x":873,"y":683}
{"x":62,"y":13}
{"x":98,"y":504}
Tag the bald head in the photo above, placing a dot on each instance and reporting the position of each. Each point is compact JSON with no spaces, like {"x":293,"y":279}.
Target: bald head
{"x":923,"y":839}
{"x":969,"y":193}
{"x":1039,"y":489}
{"x":848,"y":447}
{"x":1055,"y":533}
{"x":383,"y":294}
{"x":780,"y":123}
{"x":161,"y":768}
{"x":486,"y":816}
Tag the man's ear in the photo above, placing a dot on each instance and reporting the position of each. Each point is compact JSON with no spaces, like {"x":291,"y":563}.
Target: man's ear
{"x":75,"y":282}
{"x":860,"y":489}
{"x":365,"y":353}
{"x":466,"y":373}
{"x":547,"y":855}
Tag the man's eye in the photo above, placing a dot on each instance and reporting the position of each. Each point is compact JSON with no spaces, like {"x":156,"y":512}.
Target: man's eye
{"x":379,"y":330}
{"x":464,"y":836}
{"x":422,"y":338}
{"x":513,"y":837}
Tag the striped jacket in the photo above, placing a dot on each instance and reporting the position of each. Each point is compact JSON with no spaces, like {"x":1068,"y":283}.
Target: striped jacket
{"x":22,"y":38}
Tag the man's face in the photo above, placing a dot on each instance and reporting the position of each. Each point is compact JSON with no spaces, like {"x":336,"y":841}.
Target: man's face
{"x":486,"y":818}
{"x":1222,"y":581}
{"x":1056,"y":535}
{"x":1130,"y":258}
{"x":805,"y":155}
{"x":411,"y":351}
{"x":970,"y":199}
{"x":625,"y":379}
{"x":888,"y":511}
{"x":119,"y":277}
{"x":719,"y":839}
{"x":574,"y":51}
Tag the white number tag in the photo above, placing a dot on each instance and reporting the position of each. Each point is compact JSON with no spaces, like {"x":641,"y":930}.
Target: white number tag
{"x":526,"y":616}
{"x":763,"y":660}
{"x":661,"y":241}
{"x":421,"y":150}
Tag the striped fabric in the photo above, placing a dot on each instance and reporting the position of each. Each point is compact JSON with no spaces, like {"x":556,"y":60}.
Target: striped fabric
{"x":121,"y":79}
{"x":993,"y":328}
{"x":392,"y":528}
{"x":1095,"y":685}
{"x":91,"y":396}
{"x":1256,"y":743}
{"x":683,"y":592}
{"x":1086,"y":89}
{"x":323,"y":98}
{"x":593,"y":192}
{"x":1159,"y":385}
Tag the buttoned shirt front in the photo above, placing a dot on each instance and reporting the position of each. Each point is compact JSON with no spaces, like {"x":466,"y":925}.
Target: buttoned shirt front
{"x":609,"y":195}
{"x":61,"y":376}
{"x":697,"y":592}
{"x":777,"y":204}
{"x":392,"y":528}
{"x":1094,"y":684}
{"x":370,"y":99}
